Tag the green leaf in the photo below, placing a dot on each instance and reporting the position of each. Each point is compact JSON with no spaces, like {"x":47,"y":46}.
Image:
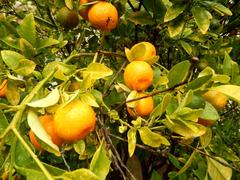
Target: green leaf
{"x":227,"y":64}
{"x":26,"y":48}
{"x":209,"y":112}
{"x":100,"y":163}
{"x":218,"y":7}
{"x":25,"y":67}
{"x":80,"y":174}
{"x":18,"y":63}
{"x":11,"y":58}
{"x":231,"y":91}
{"x":187,"y":114}
{"x":4,"y":122}
{"x":89,"y":99}
{"x":141,"y":17}
{"x":50,"y":100}
{"x":97,"y":70}
{"x":44,"y":43}
{"x":218,"y":171}
{"x":131,"y":135}
{"x":40,"y":132}
{"x":202,"y":18}
{"x":187,"y":129}
{"x":187,"y":99}
{"x":206,"y":138}
{"x":175,"y":27}
{"x":161,"y":108}
{"x":27,"y":29}
{"x":198,"y":82}
{"x":173,"y":12}
{"x":186,"y":46}
{"x":178,"y":73}
{"x":151,"y":138}
{"x":80,"y":147}
{"x":187,"y":164}
{"x":11,"y":41}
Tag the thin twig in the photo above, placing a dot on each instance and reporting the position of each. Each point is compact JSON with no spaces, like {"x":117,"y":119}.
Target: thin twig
{"x":114,"y":150}
{"x":210,"y":156}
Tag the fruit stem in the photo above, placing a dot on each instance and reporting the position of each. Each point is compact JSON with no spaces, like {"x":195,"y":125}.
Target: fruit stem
{"x":39,"y":163}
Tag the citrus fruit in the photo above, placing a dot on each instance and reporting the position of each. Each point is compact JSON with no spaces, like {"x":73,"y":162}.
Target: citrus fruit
{"x":47,"y":122}
{"x":83,"y":10}
{"x":3,"y":88}
{"x":74,"y":121}
{"x":143,"y":107}
{"x":67,"y":18}
{"x":205,"y":122}
{"x":74,"y":86}
{"x":138,"y":75}
{"x":34,"y":140}
{"x":103,"y":16}
{"x":142,"y":51}
{"x":217,"y":99}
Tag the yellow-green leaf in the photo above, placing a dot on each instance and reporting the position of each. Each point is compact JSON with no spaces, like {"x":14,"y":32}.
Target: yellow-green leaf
{"x":151,"y":138}
{"x":131,"y":135}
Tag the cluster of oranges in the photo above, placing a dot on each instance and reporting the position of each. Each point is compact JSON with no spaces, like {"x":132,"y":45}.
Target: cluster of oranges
{"x":102,"y":15}
{"x":138,"y":76}
{"x":70,"y":123}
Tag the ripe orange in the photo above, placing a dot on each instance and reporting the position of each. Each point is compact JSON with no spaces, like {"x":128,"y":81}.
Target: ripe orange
{"x":67,"y":18}
{"x":34,"y":140}
{"x":74,"y":121}
{"x":205,"y":122}
{"x":217,"y":99}
{"x":47,"y":122}
{"x":103,"y":16}
{"x":138,"y":75}
{"x":83,"y":11}
{"x":3,"y":88}
{"x":149,"y":51}
{"x":143,"y":107}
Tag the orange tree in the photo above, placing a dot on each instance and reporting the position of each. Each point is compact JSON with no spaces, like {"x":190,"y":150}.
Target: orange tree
{"x":154,"y":120}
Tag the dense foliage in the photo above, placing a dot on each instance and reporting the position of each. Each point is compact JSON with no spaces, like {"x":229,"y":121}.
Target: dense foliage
{"x":50,"y":56}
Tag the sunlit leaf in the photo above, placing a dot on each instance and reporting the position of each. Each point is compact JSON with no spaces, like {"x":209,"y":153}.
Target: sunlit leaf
{"x":202,"y":18}
{"x":89,"y":99}
{"x":231,"y":91}
{"x":173,"y":12}
{"x":151,"y":138}
{"x":97,"y":71}
{"x":218,"y":7}
{"x":27,"y":29}
{"x":206,"y":138}
{"x":217,"y":170}
{"x":161,"y":108}
{"x":131,"y":135}
{"x":175,"y":27}
{"x":187,"y":164}
{"x":186,"y":46}
{"x":209,"y":112}
{"x":80,"y":174}
{"x":100,"y":163}
{"x":51,"y":99}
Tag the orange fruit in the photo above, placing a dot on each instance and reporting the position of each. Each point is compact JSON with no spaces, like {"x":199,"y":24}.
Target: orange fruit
{"x":205,"y":122}
{"x":83,"y":11}
{"x":34,"y":140}
{"x":149,"y":51}
{"x":217,"y":99}
{"x":103,"y":16}
{"x":74,"y":86}
{"x":143,"y":107}
{"x":74,"y":121}
{"x":138,"y":75}
{"x":67,"y":18}
{"x":3,"y":88}
{"x":47,"y":122}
